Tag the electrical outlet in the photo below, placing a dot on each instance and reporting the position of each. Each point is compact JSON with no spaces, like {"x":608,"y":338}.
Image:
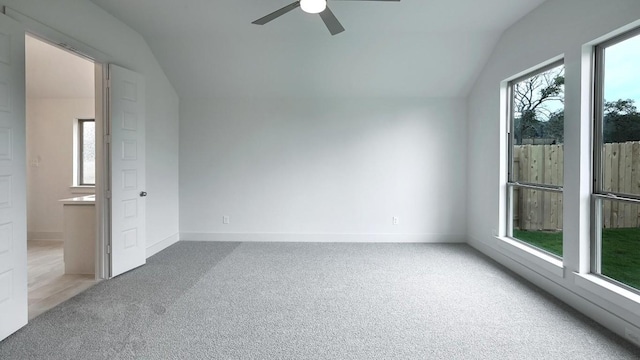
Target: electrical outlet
{"x":632,"y":335}
{"x":395,"y":220}
{"x":225,"y":219}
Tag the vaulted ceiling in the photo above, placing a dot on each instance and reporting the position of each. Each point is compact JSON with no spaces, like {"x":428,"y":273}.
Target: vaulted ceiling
{"x":411,"y":48}
{"x":53,"y":73}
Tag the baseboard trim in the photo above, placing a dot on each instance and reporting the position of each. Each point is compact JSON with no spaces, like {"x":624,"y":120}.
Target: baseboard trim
{"x":162,"y":244}
{"x":45,"y":235}
{"x":352,"y":238}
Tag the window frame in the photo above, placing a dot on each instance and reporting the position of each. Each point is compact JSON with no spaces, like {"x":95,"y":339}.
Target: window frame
{"x":511,"y":184}
{"x":80,"y":152}
{"x":598,"y":193}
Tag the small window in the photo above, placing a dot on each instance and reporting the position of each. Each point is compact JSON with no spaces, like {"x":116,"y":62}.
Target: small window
{"x":86,"y":152}
{"x":536,"y":159}
{"x":616,"y":191}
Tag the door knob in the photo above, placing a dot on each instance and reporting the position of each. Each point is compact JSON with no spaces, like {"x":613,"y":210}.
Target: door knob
{"x":143,"y":193}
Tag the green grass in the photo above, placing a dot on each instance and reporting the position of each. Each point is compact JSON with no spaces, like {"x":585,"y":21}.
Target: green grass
{"x":551,"y":241}
{"x":620,"y":251}
{"x":621,"y":255}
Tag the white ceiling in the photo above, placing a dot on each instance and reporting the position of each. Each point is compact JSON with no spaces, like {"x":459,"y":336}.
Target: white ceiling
{"x":55,"y":73}
{"x":412,"y":48}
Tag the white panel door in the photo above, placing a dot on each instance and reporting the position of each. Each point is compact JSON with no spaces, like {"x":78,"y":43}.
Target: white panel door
{"x":127,"y":129}
{"x":13,"y":196}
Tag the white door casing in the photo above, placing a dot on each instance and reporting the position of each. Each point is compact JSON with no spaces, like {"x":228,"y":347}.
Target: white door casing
{"x":127,"y":132}
{"x":13,"y":198}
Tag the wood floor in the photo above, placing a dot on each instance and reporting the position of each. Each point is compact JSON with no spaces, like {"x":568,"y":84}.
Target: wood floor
{"x":48,"y":285}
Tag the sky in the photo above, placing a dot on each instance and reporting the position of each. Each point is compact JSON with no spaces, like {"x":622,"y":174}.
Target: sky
{"x":622,"y":71}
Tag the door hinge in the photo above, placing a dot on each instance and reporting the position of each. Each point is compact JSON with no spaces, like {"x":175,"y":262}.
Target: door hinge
{"x":108,"y":249}
{"x":108,"y":194}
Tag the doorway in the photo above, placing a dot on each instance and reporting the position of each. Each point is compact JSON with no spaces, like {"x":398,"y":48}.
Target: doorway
{"x":61,"y":165}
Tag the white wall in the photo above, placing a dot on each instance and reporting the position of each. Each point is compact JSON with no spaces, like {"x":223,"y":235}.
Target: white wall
{"x":86,"y":22}
{"x":50,"y":161}
{"x":555,"y":28}
{"x":322,"y":169}
{"x":60,"y":87}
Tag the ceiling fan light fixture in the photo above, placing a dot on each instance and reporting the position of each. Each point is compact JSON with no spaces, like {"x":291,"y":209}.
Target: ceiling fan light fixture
{"x":313,"y":6}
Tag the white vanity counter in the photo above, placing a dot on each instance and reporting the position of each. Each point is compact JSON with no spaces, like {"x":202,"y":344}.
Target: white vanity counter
{"x":81,"y":200}
{"x":79,"y":234}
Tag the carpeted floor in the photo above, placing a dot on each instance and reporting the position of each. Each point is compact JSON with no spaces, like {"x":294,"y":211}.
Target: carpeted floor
{"x":315,"y":301}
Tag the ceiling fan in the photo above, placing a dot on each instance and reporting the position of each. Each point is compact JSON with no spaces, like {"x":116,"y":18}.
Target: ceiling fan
{"x":311,"y":7}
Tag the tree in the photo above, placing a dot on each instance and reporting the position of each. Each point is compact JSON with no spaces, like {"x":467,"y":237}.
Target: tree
{"x":621,"y":121}
{"x":537,"y":100}
{"x":554,"y":127}
{"x":540,"y":116}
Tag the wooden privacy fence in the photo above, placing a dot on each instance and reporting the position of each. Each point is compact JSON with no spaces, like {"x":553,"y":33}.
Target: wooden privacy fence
{"x":534,"y":209}
{"x":542,"y":210}
{"x":621,"y":162}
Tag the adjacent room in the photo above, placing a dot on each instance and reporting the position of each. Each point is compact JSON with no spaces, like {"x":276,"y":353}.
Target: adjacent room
{"x":332,"y":179}
{"x":60,"y":124}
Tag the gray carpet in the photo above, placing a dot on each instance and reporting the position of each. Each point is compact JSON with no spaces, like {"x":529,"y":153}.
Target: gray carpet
{"x":315,"y":301}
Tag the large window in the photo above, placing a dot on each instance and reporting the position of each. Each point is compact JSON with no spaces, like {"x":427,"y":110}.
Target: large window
{"x":616,"y":205}
{"x":536,"y":158}
{"x":86,"y":160}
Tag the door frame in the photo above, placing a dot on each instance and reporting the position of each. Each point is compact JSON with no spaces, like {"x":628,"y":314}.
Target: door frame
{"x":103,"y":211}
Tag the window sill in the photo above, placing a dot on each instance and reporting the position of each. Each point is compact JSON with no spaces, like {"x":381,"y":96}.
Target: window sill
{"x":608,"y":291}
{"x":531,"y":258}
{"x":82,"y":189}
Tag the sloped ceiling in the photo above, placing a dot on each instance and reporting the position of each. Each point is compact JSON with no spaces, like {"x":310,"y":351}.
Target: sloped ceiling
{"x":55,"y":73}
{"x":412,"y":48}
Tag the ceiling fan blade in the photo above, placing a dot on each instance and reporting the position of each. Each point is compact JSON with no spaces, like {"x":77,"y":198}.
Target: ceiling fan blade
{"x":331,"y":21}
{"x":277,"y":13}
